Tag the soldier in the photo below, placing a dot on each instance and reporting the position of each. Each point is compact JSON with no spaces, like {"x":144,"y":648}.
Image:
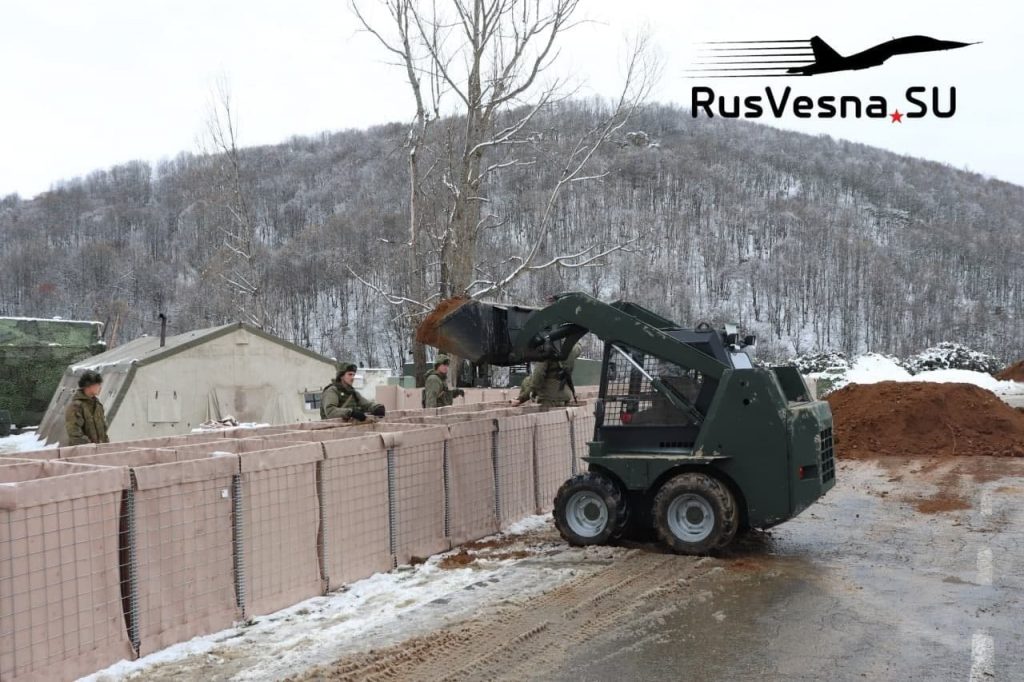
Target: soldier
{"x":341,"y":400}
{"x":525,"y":391}
{"x":551,"y":381}
{"x":435,"y":390}
{"x":84,"y":417}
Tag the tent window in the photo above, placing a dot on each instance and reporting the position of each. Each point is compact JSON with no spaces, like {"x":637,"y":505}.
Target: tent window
{"x":312,"y":400}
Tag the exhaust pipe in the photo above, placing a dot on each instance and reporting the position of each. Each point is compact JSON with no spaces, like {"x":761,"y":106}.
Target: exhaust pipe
{"x":163,"y":329}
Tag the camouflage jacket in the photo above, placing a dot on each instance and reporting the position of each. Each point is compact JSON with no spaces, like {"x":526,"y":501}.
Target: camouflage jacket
{"x":339,"y":400}
{"x":436,"y":392}
{"x":550,"y":380}
{"x":85,"y":420}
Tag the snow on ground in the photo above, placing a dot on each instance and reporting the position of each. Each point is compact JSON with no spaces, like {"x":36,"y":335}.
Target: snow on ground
{"x":873,"y":368}
{"x":24,"y":442}
{"x":386,"y":605}
{"x":217,"y":426}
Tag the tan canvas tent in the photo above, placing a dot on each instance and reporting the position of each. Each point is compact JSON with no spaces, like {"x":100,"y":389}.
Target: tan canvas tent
{"x":235,"y":370}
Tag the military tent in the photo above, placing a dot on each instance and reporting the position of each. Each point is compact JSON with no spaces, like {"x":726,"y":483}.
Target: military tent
{"x":234,"y":370}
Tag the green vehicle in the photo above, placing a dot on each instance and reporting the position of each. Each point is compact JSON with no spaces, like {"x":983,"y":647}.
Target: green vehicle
{"x":690,"y":438}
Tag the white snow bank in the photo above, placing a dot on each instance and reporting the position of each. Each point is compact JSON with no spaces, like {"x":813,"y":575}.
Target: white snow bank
{"x":873,"y":368}
{"x":25,"y":442}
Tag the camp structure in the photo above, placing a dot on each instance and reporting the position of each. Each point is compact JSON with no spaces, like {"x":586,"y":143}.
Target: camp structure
{"x":33,"y":354}
{"x":153,"y":388}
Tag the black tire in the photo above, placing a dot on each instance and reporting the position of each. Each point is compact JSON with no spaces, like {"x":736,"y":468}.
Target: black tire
{"x":708,"y":519}
{"x":589,"y":510}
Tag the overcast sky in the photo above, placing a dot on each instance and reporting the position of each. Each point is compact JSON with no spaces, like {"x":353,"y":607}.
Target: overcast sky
{"x":87,"y":85}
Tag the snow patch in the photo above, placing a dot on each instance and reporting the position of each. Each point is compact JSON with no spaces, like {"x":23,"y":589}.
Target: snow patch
{"x":24,"y":442}
{"x":291,"y":638}
{"x":874,"y":368}
{"x":530,"y":523}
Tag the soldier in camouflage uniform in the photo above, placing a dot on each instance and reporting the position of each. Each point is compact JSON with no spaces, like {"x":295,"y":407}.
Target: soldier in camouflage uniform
{"x":435,"y":390}
{"x":550,"y":382}
{"x":525,"y":391}
{"x":84,"y":417}
{"x":341,"y":400}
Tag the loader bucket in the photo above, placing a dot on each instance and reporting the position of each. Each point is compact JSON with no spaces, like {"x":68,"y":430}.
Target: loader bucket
{"x":483,"y":333}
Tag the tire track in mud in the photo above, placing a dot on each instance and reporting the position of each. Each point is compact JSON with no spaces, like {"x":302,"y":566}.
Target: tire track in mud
{"x":529,"y":639}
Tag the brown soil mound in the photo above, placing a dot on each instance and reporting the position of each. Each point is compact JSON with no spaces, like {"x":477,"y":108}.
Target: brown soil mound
{"x":1014,"y":372}
{"x":427,"y":331}
{"x":923,"y":419}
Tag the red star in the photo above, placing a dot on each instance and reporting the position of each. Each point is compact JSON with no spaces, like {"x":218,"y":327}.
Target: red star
{"x":897,"y":117}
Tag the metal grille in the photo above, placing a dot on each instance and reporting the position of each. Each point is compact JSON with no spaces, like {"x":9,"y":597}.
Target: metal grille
{"x":356,"y":514}
{"x":552,"y":456}
{"x":630,"y":399}
{"x":471,"y":483}
{"x":61,"y":597}
{"x":181,"y":559}
{"x":418,"y":526}
{"x":828,"y":466}
{"x":279,"y":538}
{"x":517,"y":489}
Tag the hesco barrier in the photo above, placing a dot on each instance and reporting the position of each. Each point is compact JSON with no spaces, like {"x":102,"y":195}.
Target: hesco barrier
{"x":61,"y":614}
{"x":279,"y":526}
{"x":118,"y":550}
{"x":182,"y":559}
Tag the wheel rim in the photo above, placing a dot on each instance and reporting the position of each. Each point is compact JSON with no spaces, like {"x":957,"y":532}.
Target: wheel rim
{"x":690,"y":518}
{"x":586,"y":514}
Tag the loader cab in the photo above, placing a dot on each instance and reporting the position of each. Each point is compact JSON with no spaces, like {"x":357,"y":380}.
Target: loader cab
{"x":634,"y":416}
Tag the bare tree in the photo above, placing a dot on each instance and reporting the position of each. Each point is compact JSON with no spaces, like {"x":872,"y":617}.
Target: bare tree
{"x":241,"y":272}
{"x":484,"y":62}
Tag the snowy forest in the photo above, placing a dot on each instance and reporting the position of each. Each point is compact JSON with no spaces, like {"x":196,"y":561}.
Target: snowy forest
{"x":811,"y":243}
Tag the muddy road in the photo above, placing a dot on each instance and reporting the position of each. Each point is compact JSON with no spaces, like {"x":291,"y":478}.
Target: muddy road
{"x":908,"y":570}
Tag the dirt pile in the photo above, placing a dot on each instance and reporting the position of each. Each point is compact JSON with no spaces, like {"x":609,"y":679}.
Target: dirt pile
{"x":1014,"y":372}
{"x":427,"y":332}
{"x":919,"y":419}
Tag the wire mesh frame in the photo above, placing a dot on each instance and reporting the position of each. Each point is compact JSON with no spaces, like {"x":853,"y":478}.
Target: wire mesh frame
{"x":280,"y":523}
{"x":553,"y":456}
{"x":470,"y":496}
{"x":65,"y":587}
{"x":629,"y":391}
{"x":419,"y":499}
{"x":356,"y":502}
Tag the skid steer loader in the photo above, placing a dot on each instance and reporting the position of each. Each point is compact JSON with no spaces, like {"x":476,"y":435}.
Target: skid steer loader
{"x":690,"y":438}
